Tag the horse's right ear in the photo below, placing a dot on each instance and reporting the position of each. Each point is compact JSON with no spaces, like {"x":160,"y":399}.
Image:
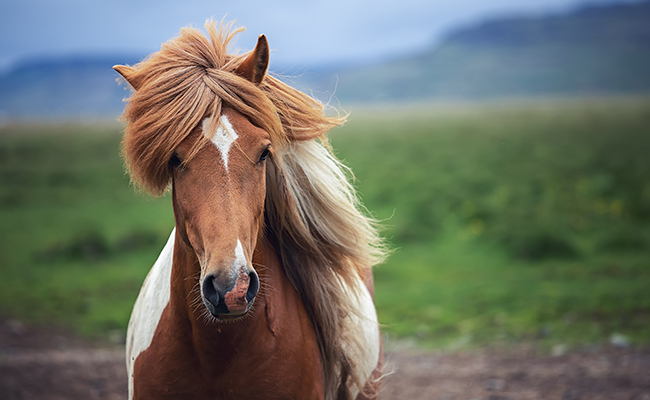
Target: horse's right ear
{"x":128,"y":74}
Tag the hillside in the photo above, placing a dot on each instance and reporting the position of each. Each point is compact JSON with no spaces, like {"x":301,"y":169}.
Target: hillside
{"x":80,"y":87}
{"x":593,"y":50}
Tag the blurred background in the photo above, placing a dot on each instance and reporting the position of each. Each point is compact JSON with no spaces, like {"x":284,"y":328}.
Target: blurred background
{"x":504,"y":145}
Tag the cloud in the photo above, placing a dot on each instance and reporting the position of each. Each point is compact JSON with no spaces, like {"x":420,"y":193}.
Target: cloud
{"x":300,"y":32}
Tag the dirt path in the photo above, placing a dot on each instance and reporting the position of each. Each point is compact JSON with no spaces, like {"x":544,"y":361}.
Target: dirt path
{"x":50,"y":364}
{"x":600,"y":374}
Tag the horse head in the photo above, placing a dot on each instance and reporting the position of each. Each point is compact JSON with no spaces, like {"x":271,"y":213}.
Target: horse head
{"x":218,"y":192}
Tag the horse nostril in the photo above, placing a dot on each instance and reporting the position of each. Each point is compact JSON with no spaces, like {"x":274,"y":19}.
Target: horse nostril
{"x":223,"y":298}
{"x":210,"y":290}
{"x":253,"y":286}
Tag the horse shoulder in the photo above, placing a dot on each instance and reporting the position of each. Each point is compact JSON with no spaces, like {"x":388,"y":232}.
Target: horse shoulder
{"x":149,"y":306}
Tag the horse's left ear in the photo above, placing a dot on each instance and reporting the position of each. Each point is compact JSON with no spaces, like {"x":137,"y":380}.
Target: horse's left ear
{"x":254,"y":66}
{"x":128,"y":74}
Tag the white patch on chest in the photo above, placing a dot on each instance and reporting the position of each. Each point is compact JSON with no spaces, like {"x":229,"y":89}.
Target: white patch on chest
{"x":364,"y":324}
{"x":223,"y":138}
{"x":152,"y":300}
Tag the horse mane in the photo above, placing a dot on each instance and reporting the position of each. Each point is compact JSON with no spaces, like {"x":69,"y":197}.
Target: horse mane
{"x":313,"y":217}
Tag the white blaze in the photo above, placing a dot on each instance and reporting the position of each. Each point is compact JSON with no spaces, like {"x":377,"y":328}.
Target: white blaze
{"x":223,"y":138}
{"x":240,"y":258}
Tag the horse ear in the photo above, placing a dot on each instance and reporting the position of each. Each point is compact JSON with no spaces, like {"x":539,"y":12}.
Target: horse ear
{"x":128,"y":74}
{"x":254,"y":66}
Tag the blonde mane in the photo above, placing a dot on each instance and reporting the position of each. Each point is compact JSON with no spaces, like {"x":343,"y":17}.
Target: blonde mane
{"x":313,"y":217}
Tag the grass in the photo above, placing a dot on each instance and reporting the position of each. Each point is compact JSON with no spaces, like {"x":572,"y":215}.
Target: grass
{"x":76,"y":242}
{"x":527,"y":222}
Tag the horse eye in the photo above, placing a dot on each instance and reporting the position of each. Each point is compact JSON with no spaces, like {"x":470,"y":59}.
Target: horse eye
{"x":174,"y":161}
{"x":265,"y":153}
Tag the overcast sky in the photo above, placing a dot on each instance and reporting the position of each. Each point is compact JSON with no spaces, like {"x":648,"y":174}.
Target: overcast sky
{"x":300,"y":32}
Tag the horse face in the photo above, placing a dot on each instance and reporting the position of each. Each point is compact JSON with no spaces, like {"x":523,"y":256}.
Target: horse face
{"x":218,"y":199}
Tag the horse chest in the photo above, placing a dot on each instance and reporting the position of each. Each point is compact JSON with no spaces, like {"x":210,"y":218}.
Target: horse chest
{"x":275,"y":366}
{"x":272,"y":354}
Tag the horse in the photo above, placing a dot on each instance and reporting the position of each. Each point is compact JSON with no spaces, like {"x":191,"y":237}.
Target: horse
{"x":264,"y":288}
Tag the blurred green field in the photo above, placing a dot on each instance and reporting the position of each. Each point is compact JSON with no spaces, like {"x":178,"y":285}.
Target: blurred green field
{"x":511,"y":223}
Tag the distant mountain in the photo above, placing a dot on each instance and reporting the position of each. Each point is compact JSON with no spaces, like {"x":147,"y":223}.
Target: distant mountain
{"x":592,"y":50}
{"x":79,"y":87}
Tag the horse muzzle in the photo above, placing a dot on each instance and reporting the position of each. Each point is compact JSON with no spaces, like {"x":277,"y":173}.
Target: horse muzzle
{"x":230,"y":297}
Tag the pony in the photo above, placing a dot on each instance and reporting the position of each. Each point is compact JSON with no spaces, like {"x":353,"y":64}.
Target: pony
{"x":264,"y":288}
